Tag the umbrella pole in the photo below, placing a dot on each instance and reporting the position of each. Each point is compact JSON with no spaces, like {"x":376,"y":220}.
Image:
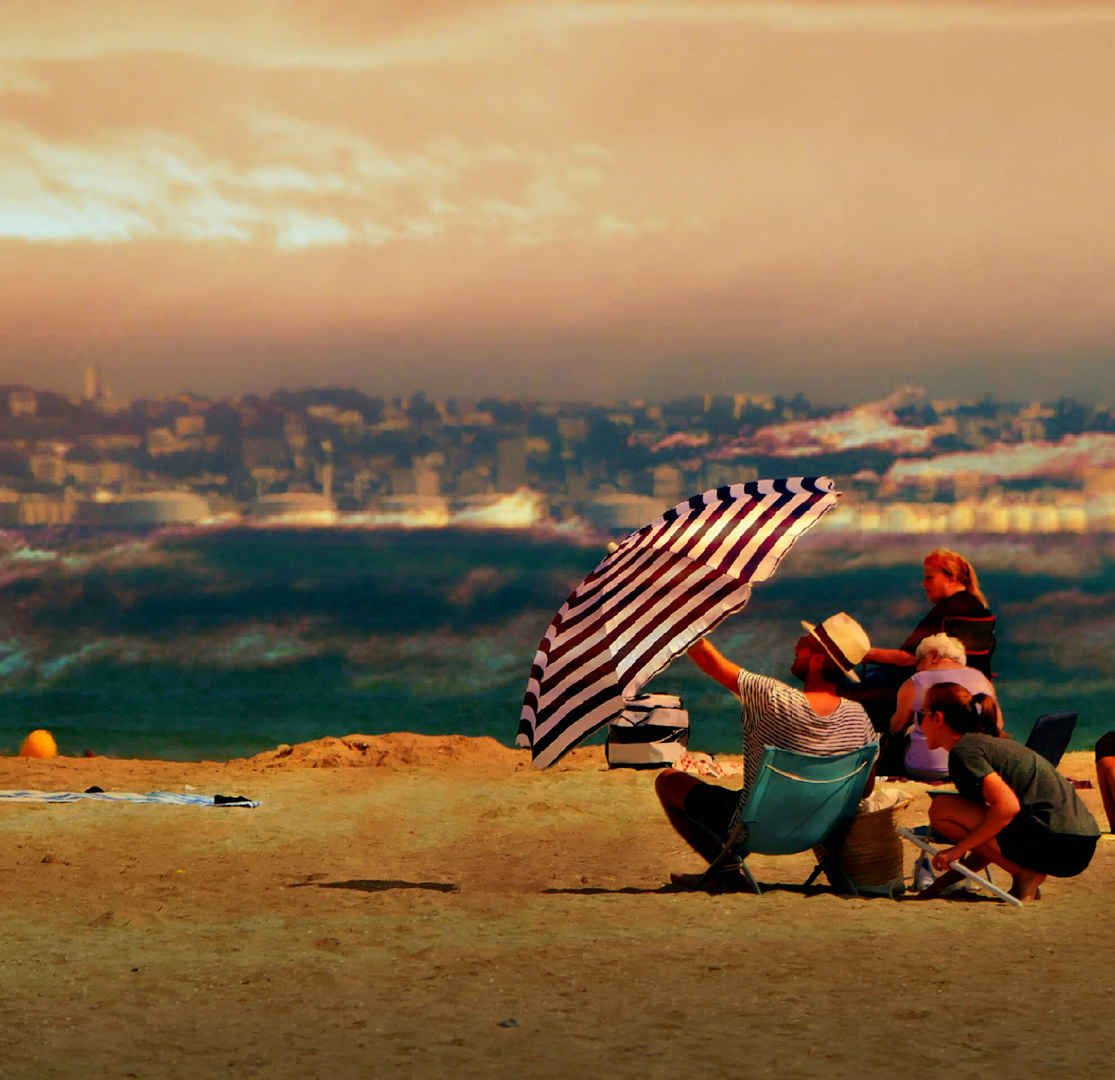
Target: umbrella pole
{"x":983,"y":883}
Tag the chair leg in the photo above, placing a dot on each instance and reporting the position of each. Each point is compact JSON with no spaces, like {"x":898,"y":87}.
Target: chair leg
{"x":750,"y":878}
{"x":831,"y":864}
{"x":725,"y":851}
{"x":838,"y":876}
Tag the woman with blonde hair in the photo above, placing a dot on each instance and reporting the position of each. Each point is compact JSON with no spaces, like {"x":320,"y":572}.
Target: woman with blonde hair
{"x":952,"y":587}
{"x":1012,"y":808}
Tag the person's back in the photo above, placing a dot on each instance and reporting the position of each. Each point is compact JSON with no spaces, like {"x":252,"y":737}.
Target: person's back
{"x":921,"y":762}
{"x":775,"y":714}
{"x":1047,"y":800}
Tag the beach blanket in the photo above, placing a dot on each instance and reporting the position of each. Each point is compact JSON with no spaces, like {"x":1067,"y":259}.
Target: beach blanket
{"x":171,"y":797}
{"x":698,"y":764}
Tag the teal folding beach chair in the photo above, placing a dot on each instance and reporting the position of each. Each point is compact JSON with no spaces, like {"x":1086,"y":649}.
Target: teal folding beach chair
{"x":799,"y":802}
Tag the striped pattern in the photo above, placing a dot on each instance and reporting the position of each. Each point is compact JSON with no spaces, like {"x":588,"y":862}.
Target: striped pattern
{"x":775,"y":714}
{"x":663,"y":588}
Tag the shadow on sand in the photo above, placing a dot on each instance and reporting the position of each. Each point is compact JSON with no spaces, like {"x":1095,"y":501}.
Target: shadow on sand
{"x":745,"y":890}
{"x":377,"y":885}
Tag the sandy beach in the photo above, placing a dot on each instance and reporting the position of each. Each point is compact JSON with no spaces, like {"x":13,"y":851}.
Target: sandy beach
{"x":409,"y":906}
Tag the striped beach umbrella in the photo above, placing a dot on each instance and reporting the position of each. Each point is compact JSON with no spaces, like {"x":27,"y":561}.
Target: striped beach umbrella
{"x":663,"y":588}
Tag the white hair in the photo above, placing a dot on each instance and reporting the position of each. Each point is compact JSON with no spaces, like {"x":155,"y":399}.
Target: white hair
{"x":947,"y":648}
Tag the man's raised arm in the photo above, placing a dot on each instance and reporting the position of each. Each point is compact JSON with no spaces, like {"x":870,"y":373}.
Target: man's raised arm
{"x":717,"y":667}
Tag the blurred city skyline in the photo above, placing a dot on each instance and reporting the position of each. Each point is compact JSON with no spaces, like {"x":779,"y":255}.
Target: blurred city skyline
{"x":563,"y":200}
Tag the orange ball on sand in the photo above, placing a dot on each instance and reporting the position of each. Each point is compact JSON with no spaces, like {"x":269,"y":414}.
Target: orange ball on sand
{"x":39,"y":744}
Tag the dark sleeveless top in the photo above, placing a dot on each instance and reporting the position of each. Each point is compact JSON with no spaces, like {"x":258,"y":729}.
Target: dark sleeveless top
{"x":961,"y":603}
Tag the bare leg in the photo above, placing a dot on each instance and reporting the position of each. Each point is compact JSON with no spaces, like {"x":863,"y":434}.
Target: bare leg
{"x":956,"y":817}
{"x":671,"y":788}
{"x":1105,"y":776}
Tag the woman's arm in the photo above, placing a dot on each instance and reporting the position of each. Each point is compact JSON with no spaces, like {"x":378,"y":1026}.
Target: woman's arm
{"x":890,"y":656}
{"x":903,"y":708}
{"x":1002,"y":808}
{"x":713,"y":664}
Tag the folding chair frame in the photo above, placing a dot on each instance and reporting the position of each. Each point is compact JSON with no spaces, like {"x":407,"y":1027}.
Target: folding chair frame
{"x":735,"y":846}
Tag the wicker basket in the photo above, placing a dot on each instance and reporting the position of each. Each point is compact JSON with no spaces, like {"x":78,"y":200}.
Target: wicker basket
{"x":872,"y":853}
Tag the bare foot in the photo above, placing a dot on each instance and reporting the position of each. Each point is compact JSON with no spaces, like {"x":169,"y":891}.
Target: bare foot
{"x":1027,"y":886}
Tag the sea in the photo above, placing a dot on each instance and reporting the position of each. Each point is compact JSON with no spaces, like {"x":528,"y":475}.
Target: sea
{"x":219,"y":643}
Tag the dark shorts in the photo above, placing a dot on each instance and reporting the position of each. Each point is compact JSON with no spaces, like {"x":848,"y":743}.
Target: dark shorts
{"x":1056,"y":854}
{"x":712,"y":808}
{"x":1106,"y":746}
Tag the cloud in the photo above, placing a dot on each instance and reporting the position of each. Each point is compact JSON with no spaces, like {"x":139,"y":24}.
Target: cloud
{"x":871,"y":425}
{"x":340,"y":36}
{"x":737,"y":195}
{"x":133,"y":186}
{"x":1049,"y":460}
{"x":297,"y":185}
{"x":298,"y":231}
{"x":912,"y":16}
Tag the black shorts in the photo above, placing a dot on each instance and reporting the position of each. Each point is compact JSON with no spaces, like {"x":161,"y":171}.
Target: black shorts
{"x":712,"y":808}
{"x":1106,"y":746}
{"x":1056,"y":854}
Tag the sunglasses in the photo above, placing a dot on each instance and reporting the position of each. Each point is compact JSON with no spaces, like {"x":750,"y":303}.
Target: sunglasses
{"x":923,"y":713}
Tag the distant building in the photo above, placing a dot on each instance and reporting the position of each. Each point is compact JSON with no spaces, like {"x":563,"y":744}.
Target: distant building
{"x":294,"y":508}
{"x":92,"y":386}
{"x":48,"y":468}
{"x":138,"y":511}
{"x":572,"y":429}
{"x":23,"y":402}
{"x":726,"y":473}
{"x":474,"y":481}
{"x":161,"y":441}
{"x":191,"y":426}
{"x":667,"y":482}
{"x":264,"y":452}
{"x":419,"y":479}
{"x":511,"y":465}
{"x":42,"y":510}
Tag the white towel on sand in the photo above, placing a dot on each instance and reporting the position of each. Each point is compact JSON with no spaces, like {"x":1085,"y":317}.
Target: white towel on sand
{"x":121,"y":796}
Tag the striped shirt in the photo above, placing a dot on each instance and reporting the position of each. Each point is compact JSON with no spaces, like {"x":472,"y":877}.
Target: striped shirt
{"x":775,"y":714}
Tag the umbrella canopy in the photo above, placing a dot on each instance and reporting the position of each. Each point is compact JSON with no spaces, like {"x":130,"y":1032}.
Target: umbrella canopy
{"x":662,"y":589}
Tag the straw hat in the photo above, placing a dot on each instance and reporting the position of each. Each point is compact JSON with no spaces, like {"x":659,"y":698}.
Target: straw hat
{"x":843,"y":639}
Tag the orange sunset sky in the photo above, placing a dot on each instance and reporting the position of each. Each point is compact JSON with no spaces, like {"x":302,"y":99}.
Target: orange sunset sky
{"x":559,"y":199}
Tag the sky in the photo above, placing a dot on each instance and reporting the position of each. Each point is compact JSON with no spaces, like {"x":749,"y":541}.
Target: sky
{"x":570,"y":199}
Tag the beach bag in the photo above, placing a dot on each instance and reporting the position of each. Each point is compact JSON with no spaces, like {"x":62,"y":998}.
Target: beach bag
{"x":872,"y":851}
{"x":651,"y":732}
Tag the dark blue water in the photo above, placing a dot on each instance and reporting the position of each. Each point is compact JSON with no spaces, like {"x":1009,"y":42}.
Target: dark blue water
{"x":221,"y":644}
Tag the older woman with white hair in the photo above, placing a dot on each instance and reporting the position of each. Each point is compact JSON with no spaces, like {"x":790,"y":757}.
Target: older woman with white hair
{"x":938,"y":659}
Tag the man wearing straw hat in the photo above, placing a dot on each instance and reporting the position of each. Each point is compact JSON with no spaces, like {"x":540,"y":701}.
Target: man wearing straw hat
{"x":813,"y":720}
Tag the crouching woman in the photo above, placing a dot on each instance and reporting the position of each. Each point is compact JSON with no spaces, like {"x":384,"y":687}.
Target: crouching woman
{"x":1013,"y":808}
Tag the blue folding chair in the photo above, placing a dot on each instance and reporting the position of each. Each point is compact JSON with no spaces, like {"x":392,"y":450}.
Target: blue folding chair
{"x":799,"y":802}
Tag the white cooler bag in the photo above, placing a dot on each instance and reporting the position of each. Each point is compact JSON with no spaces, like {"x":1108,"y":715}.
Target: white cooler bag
{"x":652,"y":731}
